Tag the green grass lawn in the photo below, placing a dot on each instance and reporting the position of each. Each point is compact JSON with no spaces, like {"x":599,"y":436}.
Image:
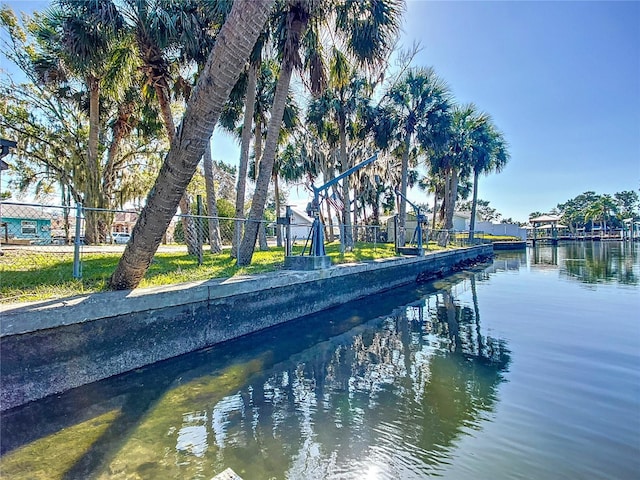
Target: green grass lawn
{"x":43,"y":277}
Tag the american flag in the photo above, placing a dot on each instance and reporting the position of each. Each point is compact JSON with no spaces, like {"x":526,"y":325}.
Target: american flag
{"x":335,"y":202}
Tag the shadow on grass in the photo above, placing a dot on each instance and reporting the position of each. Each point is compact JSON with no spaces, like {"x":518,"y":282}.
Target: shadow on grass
{"x":41,"y":278}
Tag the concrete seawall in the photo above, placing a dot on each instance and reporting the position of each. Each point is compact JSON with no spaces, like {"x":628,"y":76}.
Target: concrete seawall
{"x":50,"y":347}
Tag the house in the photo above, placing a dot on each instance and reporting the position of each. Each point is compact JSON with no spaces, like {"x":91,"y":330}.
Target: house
{"x":124,"y":221}
{"x":300,"y":224}
{"x":24,"y":224}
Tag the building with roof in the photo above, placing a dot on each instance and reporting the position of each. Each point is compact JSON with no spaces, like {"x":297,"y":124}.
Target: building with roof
{"x":24,"y":224}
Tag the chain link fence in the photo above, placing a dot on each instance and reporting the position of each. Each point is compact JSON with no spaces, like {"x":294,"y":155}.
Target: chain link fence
{"x":53,"y":245}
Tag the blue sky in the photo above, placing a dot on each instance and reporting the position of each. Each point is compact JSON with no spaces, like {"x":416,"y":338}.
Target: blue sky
{"x":560,"y":79}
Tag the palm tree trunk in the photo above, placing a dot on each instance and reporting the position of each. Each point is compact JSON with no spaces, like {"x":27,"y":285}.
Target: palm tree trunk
{"x":329,"y":220}
{"x":474,"y":204}
{"x":347,"y":242}
{"x":257,"y":148}
{"x":248,"y":243}
{"x":249,"y":107}
{"x":94,"y":126}
{"x":403,"y":190}
{"x":232,"y":48}
{"x":215,"y":241}
{"x":435,"y":211}
{"x":92,"y":189}
{"x":262,"y":236}
{"x":450,"y":193}
{"x":262,"y":232}
{"x":188,"y":226}
{"x":276,"y":189}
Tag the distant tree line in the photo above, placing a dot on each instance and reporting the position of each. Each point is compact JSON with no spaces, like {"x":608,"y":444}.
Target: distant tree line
{"x":589,"y":210}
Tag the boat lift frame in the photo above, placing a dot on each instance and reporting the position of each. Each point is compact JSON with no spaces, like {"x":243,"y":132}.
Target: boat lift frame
{"x":317,"y":228}
{"x":419,"y":219}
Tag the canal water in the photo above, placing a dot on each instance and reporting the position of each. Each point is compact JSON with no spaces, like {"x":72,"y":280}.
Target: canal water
{"x":528,"y":368}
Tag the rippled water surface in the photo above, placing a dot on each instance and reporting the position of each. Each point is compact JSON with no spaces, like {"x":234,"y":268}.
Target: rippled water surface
{"x":528,"y":368}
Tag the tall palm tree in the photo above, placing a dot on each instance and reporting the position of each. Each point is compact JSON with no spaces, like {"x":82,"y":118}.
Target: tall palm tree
{"x":215,"y":240}
{"x":226,"y":60}
{"x":258,"y":96}
{"x":417,"y":105}
{"x":77,"y":38}
{"x":259,"y":99}
{"x":368,"y":28}
{"x":489,"y":154}
{"x":161,"y":29}
{"x":334,"y":116}
{"x":453,"y":162}
{"x":243,"y":164}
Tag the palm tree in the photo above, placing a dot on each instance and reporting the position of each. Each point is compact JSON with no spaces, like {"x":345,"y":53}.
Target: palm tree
{"x":601,"y":209}
{"x":249,"y":108}
{"x":161,"y":29}
{"x":76,"y":39}
{"x":489,"y":154}
{"x":334,"y":116}
{"x":454,"y":160}
{"x":258,"y":96}
{"x":226,"y":60}
{"x":416,"y":106}
{"x":368,"y":28}
{"x":215,"y":240}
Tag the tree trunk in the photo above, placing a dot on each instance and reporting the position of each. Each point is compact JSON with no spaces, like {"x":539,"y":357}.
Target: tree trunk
{"x":435,"y":211}
{"x":257,"y":147}
{"x":188,"y":226}
{"x":262,"y":237}
{"x":327,"y":173}
{"x":276,"y":189}
{"x":474,"y":204}
{"x":347,"y":241}
{"x":403,"y":190}
{"x":375,"y":208}
{"x":111,"y":168}
{"x":451,"y":191}
{"x":232,"y":48}
{"x":94,"y":127}
{"x":91,"y":190}
{"x":262,"y":233}
{"x":248,"y":243}
{"x":249,"y":107}
{"x":215,"y":241}
{"x":329,"y":236}
{"x":451,"y":201}
{"x":354,"y":225}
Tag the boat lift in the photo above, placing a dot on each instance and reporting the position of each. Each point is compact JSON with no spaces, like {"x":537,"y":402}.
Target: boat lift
{"x":419,"y":251}
{"x":318,"y":257}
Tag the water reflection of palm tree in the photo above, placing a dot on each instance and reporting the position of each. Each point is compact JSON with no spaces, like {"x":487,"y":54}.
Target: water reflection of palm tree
{"x":415,"y":380}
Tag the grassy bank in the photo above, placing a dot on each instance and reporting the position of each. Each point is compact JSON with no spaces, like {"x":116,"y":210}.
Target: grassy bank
{"x":47,"y":277}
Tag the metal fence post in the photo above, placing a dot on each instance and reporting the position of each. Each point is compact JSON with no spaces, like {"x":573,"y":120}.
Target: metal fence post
{"x":375,"y":237}
{"x":239,"y":225}
{"x":199,"y":227}
{"x":77,"y":267}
